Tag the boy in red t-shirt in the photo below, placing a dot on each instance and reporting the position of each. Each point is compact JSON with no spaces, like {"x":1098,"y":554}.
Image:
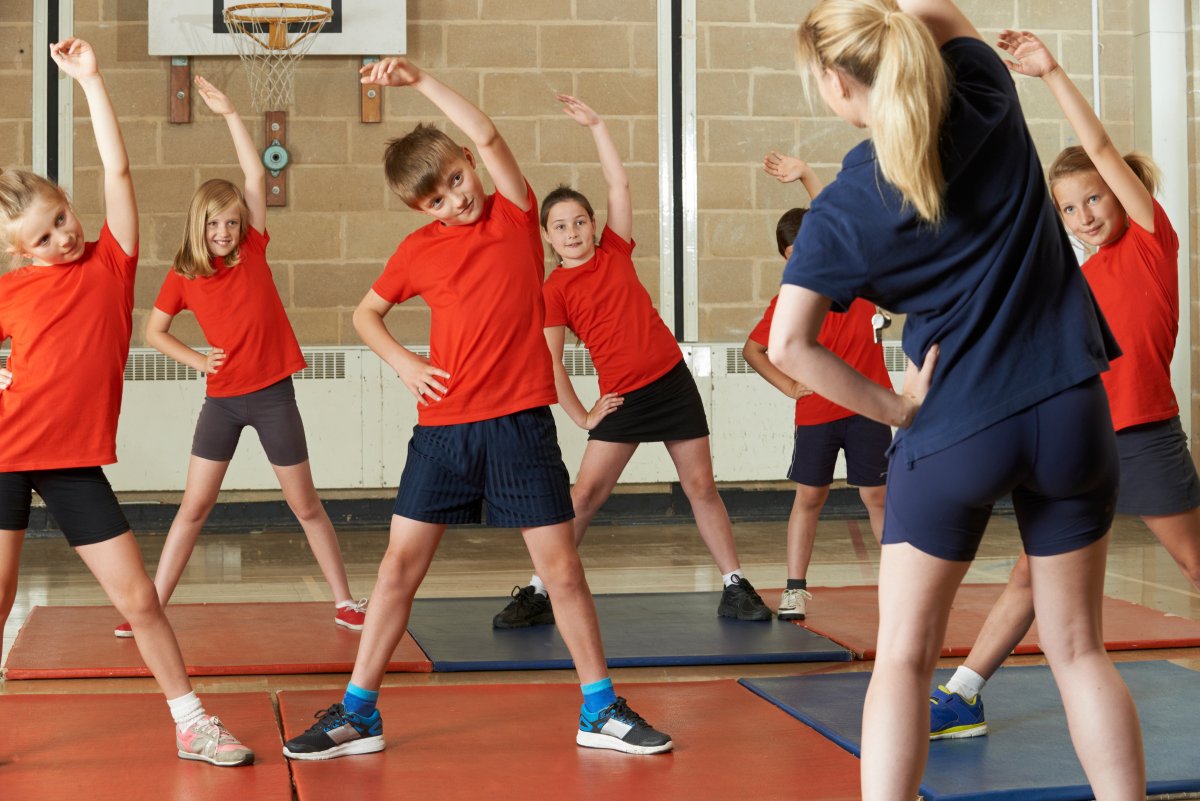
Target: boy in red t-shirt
{"x":822,"y":427}
{"x":485,"y":430}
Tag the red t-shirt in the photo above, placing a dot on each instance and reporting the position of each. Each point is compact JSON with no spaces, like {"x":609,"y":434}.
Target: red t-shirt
{"x":605,"y":304}
{"x":483,"y":285}
{"x":239,"y":310}
{"x":848,"y":336}
{"x":70,"y":327}
{"x":1135,"y":280}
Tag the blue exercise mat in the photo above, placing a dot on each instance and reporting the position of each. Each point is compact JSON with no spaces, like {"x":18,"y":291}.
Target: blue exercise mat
{"x":1027,"y":755}
{"x":639,"y":629}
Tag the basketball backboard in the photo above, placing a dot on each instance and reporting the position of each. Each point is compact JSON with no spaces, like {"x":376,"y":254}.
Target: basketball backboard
{"x":358,"y":28}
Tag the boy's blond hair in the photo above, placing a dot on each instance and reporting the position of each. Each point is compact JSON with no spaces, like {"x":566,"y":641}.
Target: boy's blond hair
{"x":214,"y":196}
{"x":414,"y":163}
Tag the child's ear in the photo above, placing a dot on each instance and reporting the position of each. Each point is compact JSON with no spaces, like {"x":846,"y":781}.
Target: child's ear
{"x":469,"y":156}
{"x":787,"y":252}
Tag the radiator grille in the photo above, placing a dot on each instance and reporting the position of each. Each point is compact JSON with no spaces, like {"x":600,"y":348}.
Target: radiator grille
{"x":578,"y":361}
{"x":157,"y":367}
{"x":323,"y":364}
{"x":893,"y":358}
{"x":735,"y":363}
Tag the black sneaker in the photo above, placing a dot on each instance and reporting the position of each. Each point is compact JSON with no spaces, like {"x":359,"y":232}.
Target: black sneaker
{"x":337,"y":733}
{"x":741,"y":601}
{"x":527,"y":608}
{"x":619,"y":728}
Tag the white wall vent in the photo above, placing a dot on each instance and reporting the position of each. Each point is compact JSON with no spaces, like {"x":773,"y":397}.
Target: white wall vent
{"x":578,"y":361}
{"x":893,"y":357}
{"x":323,"y":364}
{"x":154,"y":366}
{"x":735,"y":363}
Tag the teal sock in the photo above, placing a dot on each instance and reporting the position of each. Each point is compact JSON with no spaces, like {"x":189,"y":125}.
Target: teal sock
{"x":359,"y":701}
{"x":598,"y":695}
{"x":797,"y":584}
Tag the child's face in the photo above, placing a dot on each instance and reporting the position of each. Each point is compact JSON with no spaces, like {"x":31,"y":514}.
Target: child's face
{"x":49,"y":232}
{"x":459,"y":196}
{"x":571,"y":231}
{"x":223,"y":232}
{"x":1089,"y":208}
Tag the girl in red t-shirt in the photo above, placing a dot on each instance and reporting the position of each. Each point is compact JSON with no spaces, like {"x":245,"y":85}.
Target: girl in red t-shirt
{"x":68,"y":313}
{"x":647,"y":394}
{"x":1106,"y":200}
{"x":221,"y":274}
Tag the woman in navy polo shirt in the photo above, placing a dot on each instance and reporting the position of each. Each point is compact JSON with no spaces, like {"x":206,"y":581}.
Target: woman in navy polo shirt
{"x":943,"y":215}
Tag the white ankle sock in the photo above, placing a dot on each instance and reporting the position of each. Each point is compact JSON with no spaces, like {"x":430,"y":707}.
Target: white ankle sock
{"x":966,"y":682}
{"x":186,"y":709}
{"x":727,"y":578}
{"x":538,"y":586}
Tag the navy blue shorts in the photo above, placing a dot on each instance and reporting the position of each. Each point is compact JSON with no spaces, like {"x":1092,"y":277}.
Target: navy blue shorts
{"x":80,"y":499}
{"x":1158,"y":476}
{"x":1058,"y":458}
{"x":513,"y":462}
{"x":271,"y":411}
{"x":864,"y":441}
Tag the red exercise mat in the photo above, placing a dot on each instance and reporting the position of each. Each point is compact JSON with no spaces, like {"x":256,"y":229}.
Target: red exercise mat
{"x":517,"y":742}
{"x":122,"y":748}
{"x":69,"y":642}
{"x":850,"y":617}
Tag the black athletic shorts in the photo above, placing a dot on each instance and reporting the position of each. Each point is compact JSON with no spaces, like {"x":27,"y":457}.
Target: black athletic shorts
{"x":80,"y":499}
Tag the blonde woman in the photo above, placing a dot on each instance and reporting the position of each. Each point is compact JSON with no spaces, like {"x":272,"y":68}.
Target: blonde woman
{"x":943,"y":214}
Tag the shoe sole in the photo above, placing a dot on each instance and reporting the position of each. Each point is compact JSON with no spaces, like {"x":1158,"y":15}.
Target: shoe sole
{"x":791,"y":616}
{"x":535,"y":622}
{"x":589,"y":739}
{"x":961,"y":733}
{"x":248,"y":760}
{"x":367,"y":745}
{"x":124,"y":635}
{"x":349,"y":626}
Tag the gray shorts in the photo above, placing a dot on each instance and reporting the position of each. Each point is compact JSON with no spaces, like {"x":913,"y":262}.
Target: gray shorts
{"x":270,"y":411}
{"x":1157,"y":473}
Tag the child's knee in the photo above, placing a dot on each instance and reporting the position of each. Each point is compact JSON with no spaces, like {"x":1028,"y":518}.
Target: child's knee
{"x":700,"y":489}
{"x":811,"y":499}
{"x":587,"y":498}
{"x":873,"y":497}
{"x":138,"y":602}
{"x":307,"y":509}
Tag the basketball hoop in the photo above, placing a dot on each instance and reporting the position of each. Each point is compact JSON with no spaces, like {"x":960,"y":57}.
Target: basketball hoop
{"x":271,"y":39}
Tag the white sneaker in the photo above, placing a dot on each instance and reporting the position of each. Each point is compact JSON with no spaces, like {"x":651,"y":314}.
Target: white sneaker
{"x":792,"y":604}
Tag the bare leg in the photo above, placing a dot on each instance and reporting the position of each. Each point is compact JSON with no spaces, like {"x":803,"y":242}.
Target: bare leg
{"x":873,"y":498}
{"x":556,"y":560}
{"x":915,"y":594}
{"x":411,"y":546}
{"x":1180,"y":535}
{"x":802,"y":528}
{"x":1067,"y":593}
{"x":301,"y":495}
{"x":199,"y":496}
{"x":10,"y":564}
{"x":117,"y":565}
{"x":602,"y":465}
{"x":693,"y":463}
{"x":1007,"y":622}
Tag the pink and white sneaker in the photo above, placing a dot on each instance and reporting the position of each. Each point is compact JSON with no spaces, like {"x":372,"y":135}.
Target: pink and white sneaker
{"x":351,"y":614}
{"x":123,"y":630}
{"x":207,"y":740}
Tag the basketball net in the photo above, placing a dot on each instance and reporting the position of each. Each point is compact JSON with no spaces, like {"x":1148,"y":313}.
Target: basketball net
{"x":271,"y":39}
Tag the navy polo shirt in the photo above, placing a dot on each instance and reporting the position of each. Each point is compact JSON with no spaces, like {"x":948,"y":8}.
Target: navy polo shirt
{"x":995,"y":284}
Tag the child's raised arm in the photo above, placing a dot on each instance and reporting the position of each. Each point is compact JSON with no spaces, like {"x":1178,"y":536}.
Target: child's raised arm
{"x":786,"y":169}
{"x":619,"y":218}
{"x":76,"y":58}
{"x":255,"y":173}
{"x":493,"y":150}
{"x":1032,"y":58}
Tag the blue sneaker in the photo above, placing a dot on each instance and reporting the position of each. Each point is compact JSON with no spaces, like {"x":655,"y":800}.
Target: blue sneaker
{"x":951,"y":716}
{"x":337,"y":733}
{"x":619,"y":728}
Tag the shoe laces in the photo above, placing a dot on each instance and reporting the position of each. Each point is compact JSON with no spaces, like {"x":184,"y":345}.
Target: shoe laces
{"x":743,"y":583}
{"x":334,"y":714}
{"x":522,"y":598}
{"x":213,"y":727}
{"x":804,"y":593}
{"x":356,"y":606}
{"x":620,"y":709}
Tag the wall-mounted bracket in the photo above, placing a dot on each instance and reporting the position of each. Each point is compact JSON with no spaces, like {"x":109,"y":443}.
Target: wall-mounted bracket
{"x":370,"y":97}
{"x":275,"y":157}
{"x":181,"y":90}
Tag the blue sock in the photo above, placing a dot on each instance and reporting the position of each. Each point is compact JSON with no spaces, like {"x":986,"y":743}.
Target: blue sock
{"x":359,"y":701}
{"x":598,"y":695}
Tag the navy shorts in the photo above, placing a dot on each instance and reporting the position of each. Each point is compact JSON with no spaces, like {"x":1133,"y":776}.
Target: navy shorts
{"x":513,"y":462}
{"x":864,"y":441}
{"x":80,"y":499}
{"x":1058,"y":458}
{"x":270,"y":411}
{"x":1158,"y":476}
